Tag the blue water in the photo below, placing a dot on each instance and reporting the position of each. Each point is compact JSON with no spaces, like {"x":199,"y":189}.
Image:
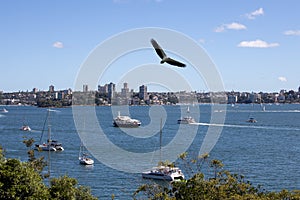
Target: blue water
{"x":266,"y":152}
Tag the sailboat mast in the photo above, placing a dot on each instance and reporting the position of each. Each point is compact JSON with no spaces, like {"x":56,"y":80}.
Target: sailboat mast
{"x":49,"y":138}
{"x":160,"y":141}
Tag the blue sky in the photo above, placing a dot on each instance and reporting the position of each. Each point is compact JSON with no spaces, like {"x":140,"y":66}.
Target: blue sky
{"x":255,"y":44}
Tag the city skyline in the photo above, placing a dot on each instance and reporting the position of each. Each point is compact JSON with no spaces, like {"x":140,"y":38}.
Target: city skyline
{"x":111,"y":86}
{"x":253,"y":45}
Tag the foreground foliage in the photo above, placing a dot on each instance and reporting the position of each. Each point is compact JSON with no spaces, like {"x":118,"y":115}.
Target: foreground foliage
{"x":23,"y":180}
{"x":223,"y":185}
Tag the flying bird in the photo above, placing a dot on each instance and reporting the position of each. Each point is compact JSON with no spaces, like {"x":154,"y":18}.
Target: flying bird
{"x":164,"y":58}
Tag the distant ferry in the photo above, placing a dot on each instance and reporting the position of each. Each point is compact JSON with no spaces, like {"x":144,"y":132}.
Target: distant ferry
{"x":186,"y":119}
{"x":125,"y":121}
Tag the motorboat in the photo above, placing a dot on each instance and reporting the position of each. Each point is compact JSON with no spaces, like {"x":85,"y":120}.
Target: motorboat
{"x":186,"y":119}
{"x":164,"y":173}
{"x":25,"y":128}
{"x":84,"y":157}
{"x":251,"y":120}
{"x":84,"y":160}
{"x":125,"y":121}
{"x":50,"y":145}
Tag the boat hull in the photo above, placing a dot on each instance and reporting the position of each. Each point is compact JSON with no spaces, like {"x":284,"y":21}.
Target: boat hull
{"x":126,"y":125}
{"x":86,"y":161}
{"x":47,"y":147}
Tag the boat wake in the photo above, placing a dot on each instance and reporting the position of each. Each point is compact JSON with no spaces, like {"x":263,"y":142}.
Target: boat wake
{"x":245,"y":126}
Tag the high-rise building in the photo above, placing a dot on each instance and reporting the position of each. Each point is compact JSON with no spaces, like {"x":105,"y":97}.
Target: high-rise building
{"x":111,"y":90}
{"x":143,"y":93}
{"x":103,"y":89}
{"x":125,"y":90}
{"x":85,"y":88}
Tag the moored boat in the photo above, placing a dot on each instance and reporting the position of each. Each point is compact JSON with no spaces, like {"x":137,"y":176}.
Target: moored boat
{"x":84,"y":157}
{"x":50,"y":145}
{"x":164,"y":173}
{"x":125,"y":121}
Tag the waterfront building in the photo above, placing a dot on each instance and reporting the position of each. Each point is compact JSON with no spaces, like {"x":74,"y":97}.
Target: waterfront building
{"x":232,"y":99}
{"x":143,"y":95}
{"x":51,"y":88}
{"x":103,"y":89}
{"x":111,"y":91}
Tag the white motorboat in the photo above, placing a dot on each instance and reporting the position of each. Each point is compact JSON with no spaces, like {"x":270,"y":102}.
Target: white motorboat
{"x":84,"y":157}
{"x":50,"y":145}
{"x":164,"y":173}
{"x":125,"y":121}
{"x":186,"y":119}
{"x":25,"y":128}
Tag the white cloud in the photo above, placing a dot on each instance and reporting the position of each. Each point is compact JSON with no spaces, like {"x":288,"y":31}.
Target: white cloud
{"x":232,"y":26}
{"x":257,"y":44}
{"x":235,"y":26}
{"x":58,"y":45}
{"x":292,"y":32}
{"x":255,"y":13}
{"x":282,"y":79}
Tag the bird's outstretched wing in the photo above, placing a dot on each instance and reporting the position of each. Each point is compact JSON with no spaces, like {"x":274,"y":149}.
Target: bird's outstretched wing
{"x":160,"y":52}
{"x":175,"y":62}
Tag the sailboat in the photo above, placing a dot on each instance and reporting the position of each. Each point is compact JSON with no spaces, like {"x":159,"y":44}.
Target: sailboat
{"x":187,"y":119}
{"x":163,"y":172}
{"x":50,"y":145}
{"x":83,"y":156}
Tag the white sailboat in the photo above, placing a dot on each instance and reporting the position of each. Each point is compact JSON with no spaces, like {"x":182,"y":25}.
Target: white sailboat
{"x":50,"y":145}
{"x":163,"y":172}
{"x":84,"y":157}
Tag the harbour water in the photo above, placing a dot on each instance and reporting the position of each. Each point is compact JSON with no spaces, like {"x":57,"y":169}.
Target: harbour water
{"x":266,"y":152}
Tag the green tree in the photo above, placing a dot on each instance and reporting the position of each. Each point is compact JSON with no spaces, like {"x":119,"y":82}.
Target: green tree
{"x":66,"y":188}
{"x":222,"y":186}
{"x":20,"y":181}
{"x":23,"y":180}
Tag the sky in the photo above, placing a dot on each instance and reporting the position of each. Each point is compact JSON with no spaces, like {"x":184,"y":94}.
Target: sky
{"x":254,"y":44}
